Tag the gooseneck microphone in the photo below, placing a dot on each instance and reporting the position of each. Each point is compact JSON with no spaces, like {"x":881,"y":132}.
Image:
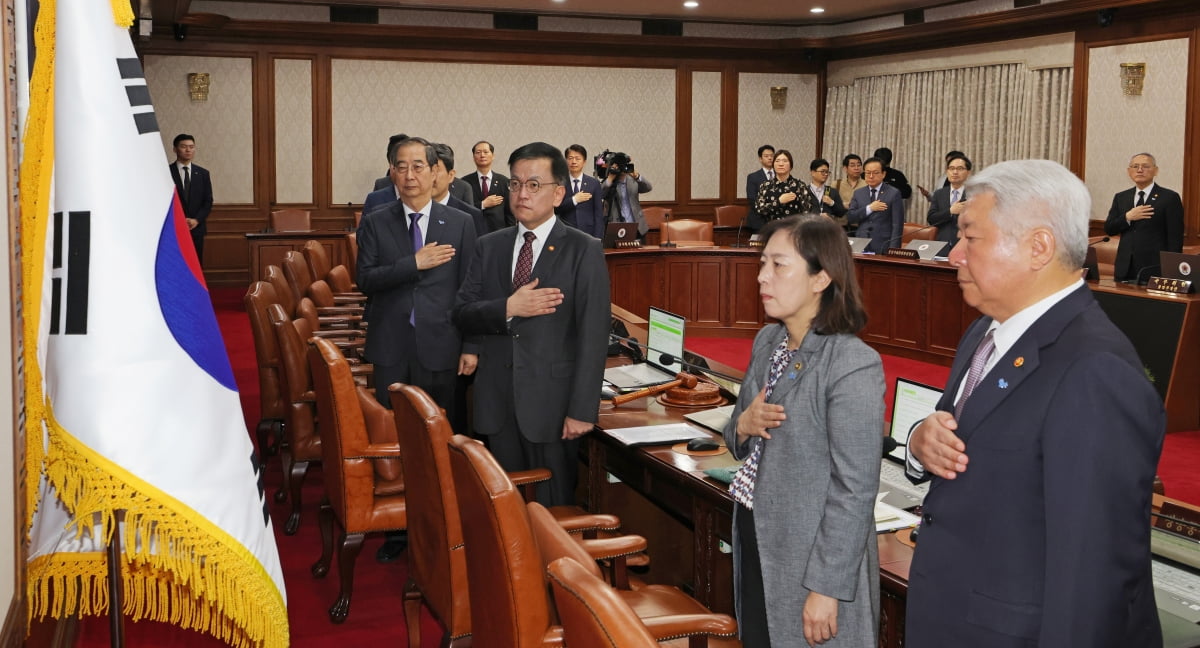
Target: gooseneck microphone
{"x":666,"y":359}
{"x":737,"y":239}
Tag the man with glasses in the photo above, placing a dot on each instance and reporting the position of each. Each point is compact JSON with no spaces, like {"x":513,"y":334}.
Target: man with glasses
{"x":877,"y":209}
{"x":948,"y":202}
{"x":1149,"y":219}
{"x":537,"y":297}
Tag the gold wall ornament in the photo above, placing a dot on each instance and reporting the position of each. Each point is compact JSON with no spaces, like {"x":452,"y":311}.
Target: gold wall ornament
{"x":1133,"y":75}
{"x":198,"y":86}
{"x":778,"y":97}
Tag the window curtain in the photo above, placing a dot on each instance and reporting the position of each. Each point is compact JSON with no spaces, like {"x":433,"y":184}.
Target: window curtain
{"x":992,"y":113}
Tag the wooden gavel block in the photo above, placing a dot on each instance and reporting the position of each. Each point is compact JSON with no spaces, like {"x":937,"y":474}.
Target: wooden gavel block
{"x":681,"y":380}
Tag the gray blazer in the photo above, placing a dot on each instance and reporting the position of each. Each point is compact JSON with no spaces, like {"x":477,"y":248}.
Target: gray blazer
{"x":612,"y":206}
{"x":815,"y":495}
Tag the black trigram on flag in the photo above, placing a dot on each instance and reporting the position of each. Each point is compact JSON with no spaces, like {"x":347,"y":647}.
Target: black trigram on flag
{"x":139,"y":95}
{"x":78,"y":258}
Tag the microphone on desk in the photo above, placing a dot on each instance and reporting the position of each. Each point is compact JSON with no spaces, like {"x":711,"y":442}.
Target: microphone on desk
{"x":666,"y":359}
{"x":890,"y":445}
{"x":737,"y":238}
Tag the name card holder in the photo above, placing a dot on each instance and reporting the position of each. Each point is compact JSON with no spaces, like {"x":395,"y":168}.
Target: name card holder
{"x":903,"y":253}
{"x":1170,"y":286}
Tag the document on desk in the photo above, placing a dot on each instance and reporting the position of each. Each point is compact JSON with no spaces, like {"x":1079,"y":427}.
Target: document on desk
{"x":889,"y":518}
{"x":656,"y":434}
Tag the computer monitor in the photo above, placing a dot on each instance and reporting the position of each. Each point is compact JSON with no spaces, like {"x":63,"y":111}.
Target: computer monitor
{"x":664,"y":340}
{"x":911,"y":404}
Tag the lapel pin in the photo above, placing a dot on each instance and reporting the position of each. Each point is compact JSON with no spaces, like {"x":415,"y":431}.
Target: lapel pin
{"x":798,"y":366}
{"x":791,"y":375}
{"x":1003,"y":384}
{"x":441,"y":222}
{"x":1019,"y":361}
{"x":550,"y":247}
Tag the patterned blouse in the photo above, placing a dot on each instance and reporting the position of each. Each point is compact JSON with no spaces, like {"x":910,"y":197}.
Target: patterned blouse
{"x":769,"y":192}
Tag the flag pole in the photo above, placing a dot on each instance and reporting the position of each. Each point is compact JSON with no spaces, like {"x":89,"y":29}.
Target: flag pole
{"x":116,"y":603}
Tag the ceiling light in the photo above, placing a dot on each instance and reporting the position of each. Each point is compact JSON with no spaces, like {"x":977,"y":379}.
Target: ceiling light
{"x":817,"y":10}
{"x":691,"y":4}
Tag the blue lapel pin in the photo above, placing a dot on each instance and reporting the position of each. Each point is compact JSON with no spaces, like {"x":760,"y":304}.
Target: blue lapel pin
{"x":1003,"y":384}
{"x":791,"y":375}
{"x":441,"y":222}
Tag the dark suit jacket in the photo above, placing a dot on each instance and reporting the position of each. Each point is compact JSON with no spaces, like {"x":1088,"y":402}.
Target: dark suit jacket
{"x":379,"y":198}
{"x":497,"y":217}
{"x":387,"y":272}
{"x":1044,"y":539}
{"x":1141,"y":241}
{"x":470,"y":210}
{"x":589,"y":216}
{"x":754,"y":220}
{"x":385,"y":181}
{"x":836,"y":209}
{"x":939,"y":215}
{"x":612,"y":207}
{"x":198,"y":202}
{"x":884,"y":228}
{"x":538,"y":369}
{"x":461,"y":190}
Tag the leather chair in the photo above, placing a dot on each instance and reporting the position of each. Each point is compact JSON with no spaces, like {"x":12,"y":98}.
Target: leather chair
{"x":436,"y":554}
{"x":303,"y":445}
{"x":319,"y":267}
{"x":593,"y":615}
{"x":730,"y":215}
{"x":359,"y":431}
{"x":506,"y":565}
{"x":687,"y":232}
{"x":258,"y":297}
{"x":283,"y":290}
{"x":300,"y":281}
{"x":1106,"y":255}
{"x":290,"y":220}
{"x":917,"y":232}
{"x":352,"y":255}
{"x":656,"y":216}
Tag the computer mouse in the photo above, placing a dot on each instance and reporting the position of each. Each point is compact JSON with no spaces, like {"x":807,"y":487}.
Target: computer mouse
{"x":702,"y":444}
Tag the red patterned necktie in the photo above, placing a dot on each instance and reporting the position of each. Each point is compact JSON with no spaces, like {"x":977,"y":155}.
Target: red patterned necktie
{"x":524,"y":262}
{"x":484,"y":184}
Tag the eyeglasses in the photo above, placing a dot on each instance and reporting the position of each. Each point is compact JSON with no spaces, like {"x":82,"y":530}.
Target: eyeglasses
{"x":1141,"y":167}
{"x":532,"y":186}
{"x":873,"y":173}
{"x":417,"y":167}
{"x":956,"y":168}
{"x":821,"y":171}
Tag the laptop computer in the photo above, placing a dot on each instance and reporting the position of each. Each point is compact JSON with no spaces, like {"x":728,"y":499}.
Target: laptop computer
{"x":616,"y":234}
{"x":858,"y":244}
{"x":911,"y":403}
{"x":664,"y":350}
{"x":1176,"y":265}
{"x":927,"y":250}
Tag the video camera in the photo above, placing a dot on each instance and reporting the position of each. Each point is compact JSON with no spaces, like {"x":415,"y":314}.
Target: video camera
{"x":615,"y":163}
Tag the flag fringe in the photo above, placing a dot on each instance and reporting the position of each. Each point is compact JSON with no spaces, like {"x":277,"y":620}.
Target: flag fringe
{"x":178,"y":569}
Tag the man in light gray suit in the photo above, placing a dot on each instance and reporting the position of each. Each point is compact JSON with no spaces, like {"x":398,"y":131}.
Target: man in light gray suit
{"x":877,"y":209}
{"x":621,"y":203}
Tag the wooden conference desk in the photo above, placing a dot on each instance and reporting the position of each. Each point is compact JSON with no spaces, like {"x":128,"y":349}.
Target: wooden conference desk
{"x":915,"y":309}
{"x":269,"y":248}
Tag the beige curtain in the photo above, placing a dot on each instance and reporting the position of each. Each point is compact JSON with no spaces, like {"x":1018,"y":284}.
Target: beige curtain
{"x":992,"y":113}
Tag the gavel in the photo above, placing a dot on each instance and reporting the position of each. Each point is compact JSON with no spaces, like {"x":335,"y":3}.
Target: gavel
{"x":681,"y":380}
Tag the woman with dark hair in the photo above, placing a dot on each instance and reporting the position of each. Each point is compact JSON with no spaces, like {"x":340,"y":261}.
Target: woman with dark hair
{"x":825,"y":197}
{"x":809,"y":423}
{"x":785,"y":195}
{"x":852,"y":170}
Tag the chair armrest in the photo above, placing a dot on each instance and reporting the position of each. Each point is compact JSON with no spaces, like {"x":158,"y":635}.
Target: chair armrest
{"x":553,"y":636}
{"x":336,"y":310}
{"x":381,"y":450}
{"x":527,"y":481}
{"x":665,"y":628}
{"x":583,"y":524}
{"x":614,"y":547}
{"x":348,"y":334}
{"x":349,"y":298}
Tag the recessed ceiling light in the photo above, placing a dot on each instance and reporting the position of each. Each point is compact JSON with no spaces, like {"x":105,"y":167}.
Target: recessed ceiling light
{"x":817,"y":10}
{"x":691,"y":4}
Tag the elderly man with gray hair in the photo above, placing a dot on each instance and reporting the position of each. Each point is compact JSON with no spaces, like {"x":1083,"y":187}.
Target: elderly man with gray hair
{"x":1044,"y":447}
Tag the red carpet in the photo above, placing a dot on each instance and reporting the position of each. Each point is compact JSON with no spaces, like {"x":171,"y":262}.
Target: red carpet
{"x":376,"y":615}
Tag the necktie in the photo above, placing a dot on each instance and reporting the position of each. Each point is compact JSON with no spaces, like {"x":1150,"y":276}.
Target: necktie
{"x":1141,"y":199}
{"x":524,"y":262}
{"x":187,"y":180}
{"x":483,"y":183}
{"x":576,"y":186}
{"x":874,"y":195}
{"x":770,"y":175}
{"x":953,"y":196}
{"x":414,"y":231}
{"x":742,"y":486}
{"x":975,"y":374}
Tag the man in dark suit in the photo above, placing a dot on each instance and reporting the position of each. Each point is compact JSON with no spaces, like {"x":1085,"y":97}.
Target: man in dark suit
{"x":412,"y":258}
{"x":1149,"y":219}
{"x":194,"y":186}
{"x":877,"y":209}
{"x":891,"y":176}
{"x":538,"y":294}
{"x":443,"y":187}
{"x":386,"y":180}
{"x":489,"y":190}
{"x":583,"y":206}
{"x":766,"y":156}
{"x":1035,"y":531}
{"x":948,"y":202}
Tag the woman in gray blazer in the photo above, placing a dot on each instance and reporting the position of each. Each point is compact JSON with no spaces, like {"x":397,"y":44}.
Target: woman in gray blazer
{"x":809,"y":422}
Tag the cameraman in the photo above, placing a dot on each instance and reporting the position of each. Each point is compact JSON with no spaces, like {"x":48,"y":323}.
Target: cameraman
{"x":622,"y":184}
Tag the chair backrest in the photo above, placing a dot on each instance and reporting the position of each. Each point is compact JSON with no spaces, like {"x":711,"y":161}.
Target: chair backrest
{"x":1106,"y":255}
{"x":283,"y":291}
{"x":730,"y":215}
{"x":317,"y":259}
{"x":593,"y":614}
{"x":266,"y":350}
{"x":509,"y":602}
{"x":295,"y":270}
{"x":655,"y":216}
{"x":688,"y":229}
{"x":320,"y":293}
{"x":339,"y":279}
{"x":437,"y":557}
{"x":290,"y":220}
{"x":299,"y":404}
{"x":352,"y":254}
{"x":345,"y":468}
{"x":917,"y":232}
{"x":357,"y":218}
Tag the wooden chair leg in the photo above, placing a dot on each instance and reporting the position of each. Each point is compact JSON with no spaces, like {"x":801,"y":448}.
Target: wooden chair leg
{"x":296,"y":484}
{"x":412,"y":613}
{"x":347,"y":556}
{"x":263,"y":431}
{"x":286,"y":461}
{"x":325,"y":522}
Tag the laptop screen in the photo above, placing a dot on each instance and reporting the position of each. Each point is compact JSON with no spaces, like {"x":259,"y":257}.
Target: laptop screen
{"x":665,"y":338}
{"x":912,"y":403}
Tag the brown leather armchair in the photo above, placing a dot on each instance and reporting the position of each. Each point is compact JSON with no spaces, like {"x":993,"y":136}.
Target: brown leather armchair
{"x":352,"y":254}
{"x":283,"y":291}
{"x":1106,"y":255}
{"x":656,"y":216}
{"x":319,"y":267}
{"x":687,"y":232}
{"x":593,"y":615}
{"x":917,"y":232}
{"x":303,"y":442}
{"x":290,"y":220}
{"x":730,"y":215}
{"x":266,"y":354}
{"x":359,"y":431}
